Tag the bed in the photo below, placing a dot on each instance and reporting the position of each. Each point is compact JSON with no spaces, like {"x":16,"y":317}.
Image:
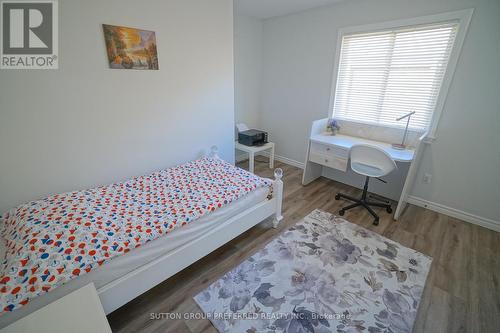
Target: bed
{"x":124,"y":277}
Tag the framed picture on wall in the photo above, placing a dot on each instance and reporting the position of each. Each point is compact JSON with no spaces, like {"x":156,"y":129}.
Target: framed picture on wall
{"x":130,"y":48}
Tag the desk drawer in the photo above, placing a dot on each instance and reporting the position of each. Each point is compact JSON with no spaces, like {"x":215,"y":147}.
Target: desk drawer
{"x":330,"y":161}
{"x":332,"y":151}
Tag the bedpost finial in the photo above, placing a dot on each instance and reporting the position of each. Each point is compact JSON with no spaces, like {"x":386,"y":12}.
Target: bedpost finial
{"x":278,"y":173}
{"x":214,"y":151}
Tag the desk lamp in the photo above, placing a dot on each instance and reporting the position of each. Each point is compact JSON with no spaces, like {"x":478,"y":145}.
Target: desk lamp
{"x":402,"y":146}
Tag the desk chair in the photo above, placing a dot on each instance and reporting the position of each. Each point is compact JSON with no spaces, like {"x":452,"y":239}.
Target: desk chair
{"x":368,"y":161}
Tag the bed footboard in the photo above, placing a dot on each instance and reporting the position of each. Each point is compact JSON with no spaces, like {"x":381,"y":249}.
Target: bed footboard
{"x":277,"y":188}
{"x":278,"y":194}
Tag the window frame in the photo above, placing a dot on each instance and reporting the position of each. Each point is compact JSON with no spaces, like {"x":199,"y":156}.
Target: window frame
{"x":462,"y":16}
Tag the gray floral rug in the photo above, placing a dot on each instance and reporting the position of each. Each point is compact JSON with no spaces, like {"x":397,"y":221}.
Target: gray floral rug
{"x":322,"y":275}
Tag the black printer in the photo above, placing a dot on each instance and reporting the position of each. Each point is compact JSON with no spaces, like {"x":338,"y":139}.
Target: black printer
{"x":252,"y":137}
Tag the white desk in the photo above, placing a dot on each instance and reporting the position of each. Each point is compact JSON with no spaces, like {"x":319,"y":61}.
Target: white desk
{"x":332,"y":151}
{"x":252,"y":150}
{"x":346,"y":142}
{"x":79,"y":311}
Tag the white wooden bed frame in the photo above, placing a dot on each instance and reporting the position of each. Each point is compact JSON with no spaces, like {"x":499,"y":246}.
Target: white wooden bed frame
{"x":122,"y":290}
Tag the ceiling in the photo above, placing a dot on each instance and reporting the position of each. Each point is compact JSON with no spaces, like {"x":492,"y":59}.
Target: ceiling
{"x":264,"y":9}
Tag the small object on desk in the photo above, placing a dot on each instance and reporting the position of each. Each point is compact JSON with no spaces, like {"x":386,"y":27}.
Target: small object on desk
{"x":79,"y":311}
{"x":252,"y":150}
{"x":333,"y":127}
{"x":402,"y":145}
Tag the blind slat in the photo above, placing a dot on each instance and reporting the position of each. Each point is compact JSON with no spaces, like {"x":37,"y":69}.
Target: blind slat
{"x":386,"y":74}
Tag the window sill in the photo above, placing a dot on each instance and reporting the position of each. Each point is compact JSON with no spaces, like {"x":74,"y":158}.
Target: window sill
{"x":379,"y":133}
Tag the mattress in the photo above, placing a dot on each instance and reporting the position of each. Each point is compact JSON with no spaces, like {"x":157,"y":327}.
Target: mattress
{"x":63,"y":236}
{"x":126,"y":263}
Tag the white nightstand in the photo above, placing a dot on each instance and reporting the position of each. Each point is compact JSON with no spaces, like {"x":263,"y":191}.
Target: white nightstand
{"x":79,"y":311}
{"x":252,"y":150}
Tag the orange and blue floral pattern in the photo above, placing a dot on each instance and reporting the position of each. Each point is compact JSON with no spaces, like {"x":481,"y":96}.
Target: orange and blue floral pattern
{"x":51,"y":241}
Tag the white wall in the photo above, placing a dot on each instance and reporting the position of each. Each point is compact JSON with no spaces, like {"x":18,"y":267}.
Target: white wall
{"x":465,"y":159}
{"x":247,"y":69}
{"x":247,"y":72}
{"x":85,"y":125}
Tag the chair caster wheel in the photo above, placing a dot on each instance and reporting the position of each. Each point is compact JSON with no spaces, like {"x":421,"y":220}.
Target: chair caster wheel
{"x":337,"y":197}
{"x":375,"y":222}
{"x":389,"y":210}
{"x":341,"y":212}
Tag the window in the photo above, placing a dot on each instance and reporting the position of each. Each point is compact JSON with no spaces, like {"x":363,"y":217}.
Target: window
{"x":385,"y":74}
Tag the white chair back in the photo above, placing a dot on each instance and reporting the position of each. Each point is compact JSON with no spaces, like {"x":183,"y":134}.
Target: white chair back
{"x":371,"y":161}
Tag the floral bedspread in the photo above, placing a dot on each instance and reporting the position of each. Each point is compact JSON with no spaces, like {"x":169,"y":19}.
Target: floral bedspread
{"x":54,"y":240}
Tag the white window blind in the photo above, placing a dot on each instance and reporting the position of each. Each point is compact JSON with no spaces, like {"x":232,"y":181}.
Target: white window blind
{"x":386,"y":74}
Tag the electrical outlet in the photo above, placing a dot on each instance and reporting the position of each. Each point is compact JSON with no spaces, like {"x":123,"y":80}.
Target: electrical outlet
{"x":427,"y":178}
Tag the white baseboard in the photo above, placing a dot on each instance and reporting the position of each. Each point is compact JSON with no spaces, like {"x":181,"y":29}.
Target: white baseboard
{"x":240,"y":157}
{"x":283,"y":159}
{"x":456,"y":213}
{"x":434,"y":206}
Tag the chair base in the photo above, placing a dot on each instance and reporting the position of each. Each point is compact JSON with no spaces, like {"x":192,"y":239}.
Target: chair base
{"x":363,"y":202}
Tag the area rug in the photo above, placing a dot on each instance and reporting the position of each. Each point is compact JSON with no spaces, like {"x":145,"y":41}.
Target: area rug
{"x":325,"y":274}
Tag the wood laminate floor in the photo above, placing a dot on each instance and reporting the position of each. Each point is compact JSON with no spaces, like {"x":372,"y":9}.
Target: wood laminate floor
{"x":462,"y":293}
